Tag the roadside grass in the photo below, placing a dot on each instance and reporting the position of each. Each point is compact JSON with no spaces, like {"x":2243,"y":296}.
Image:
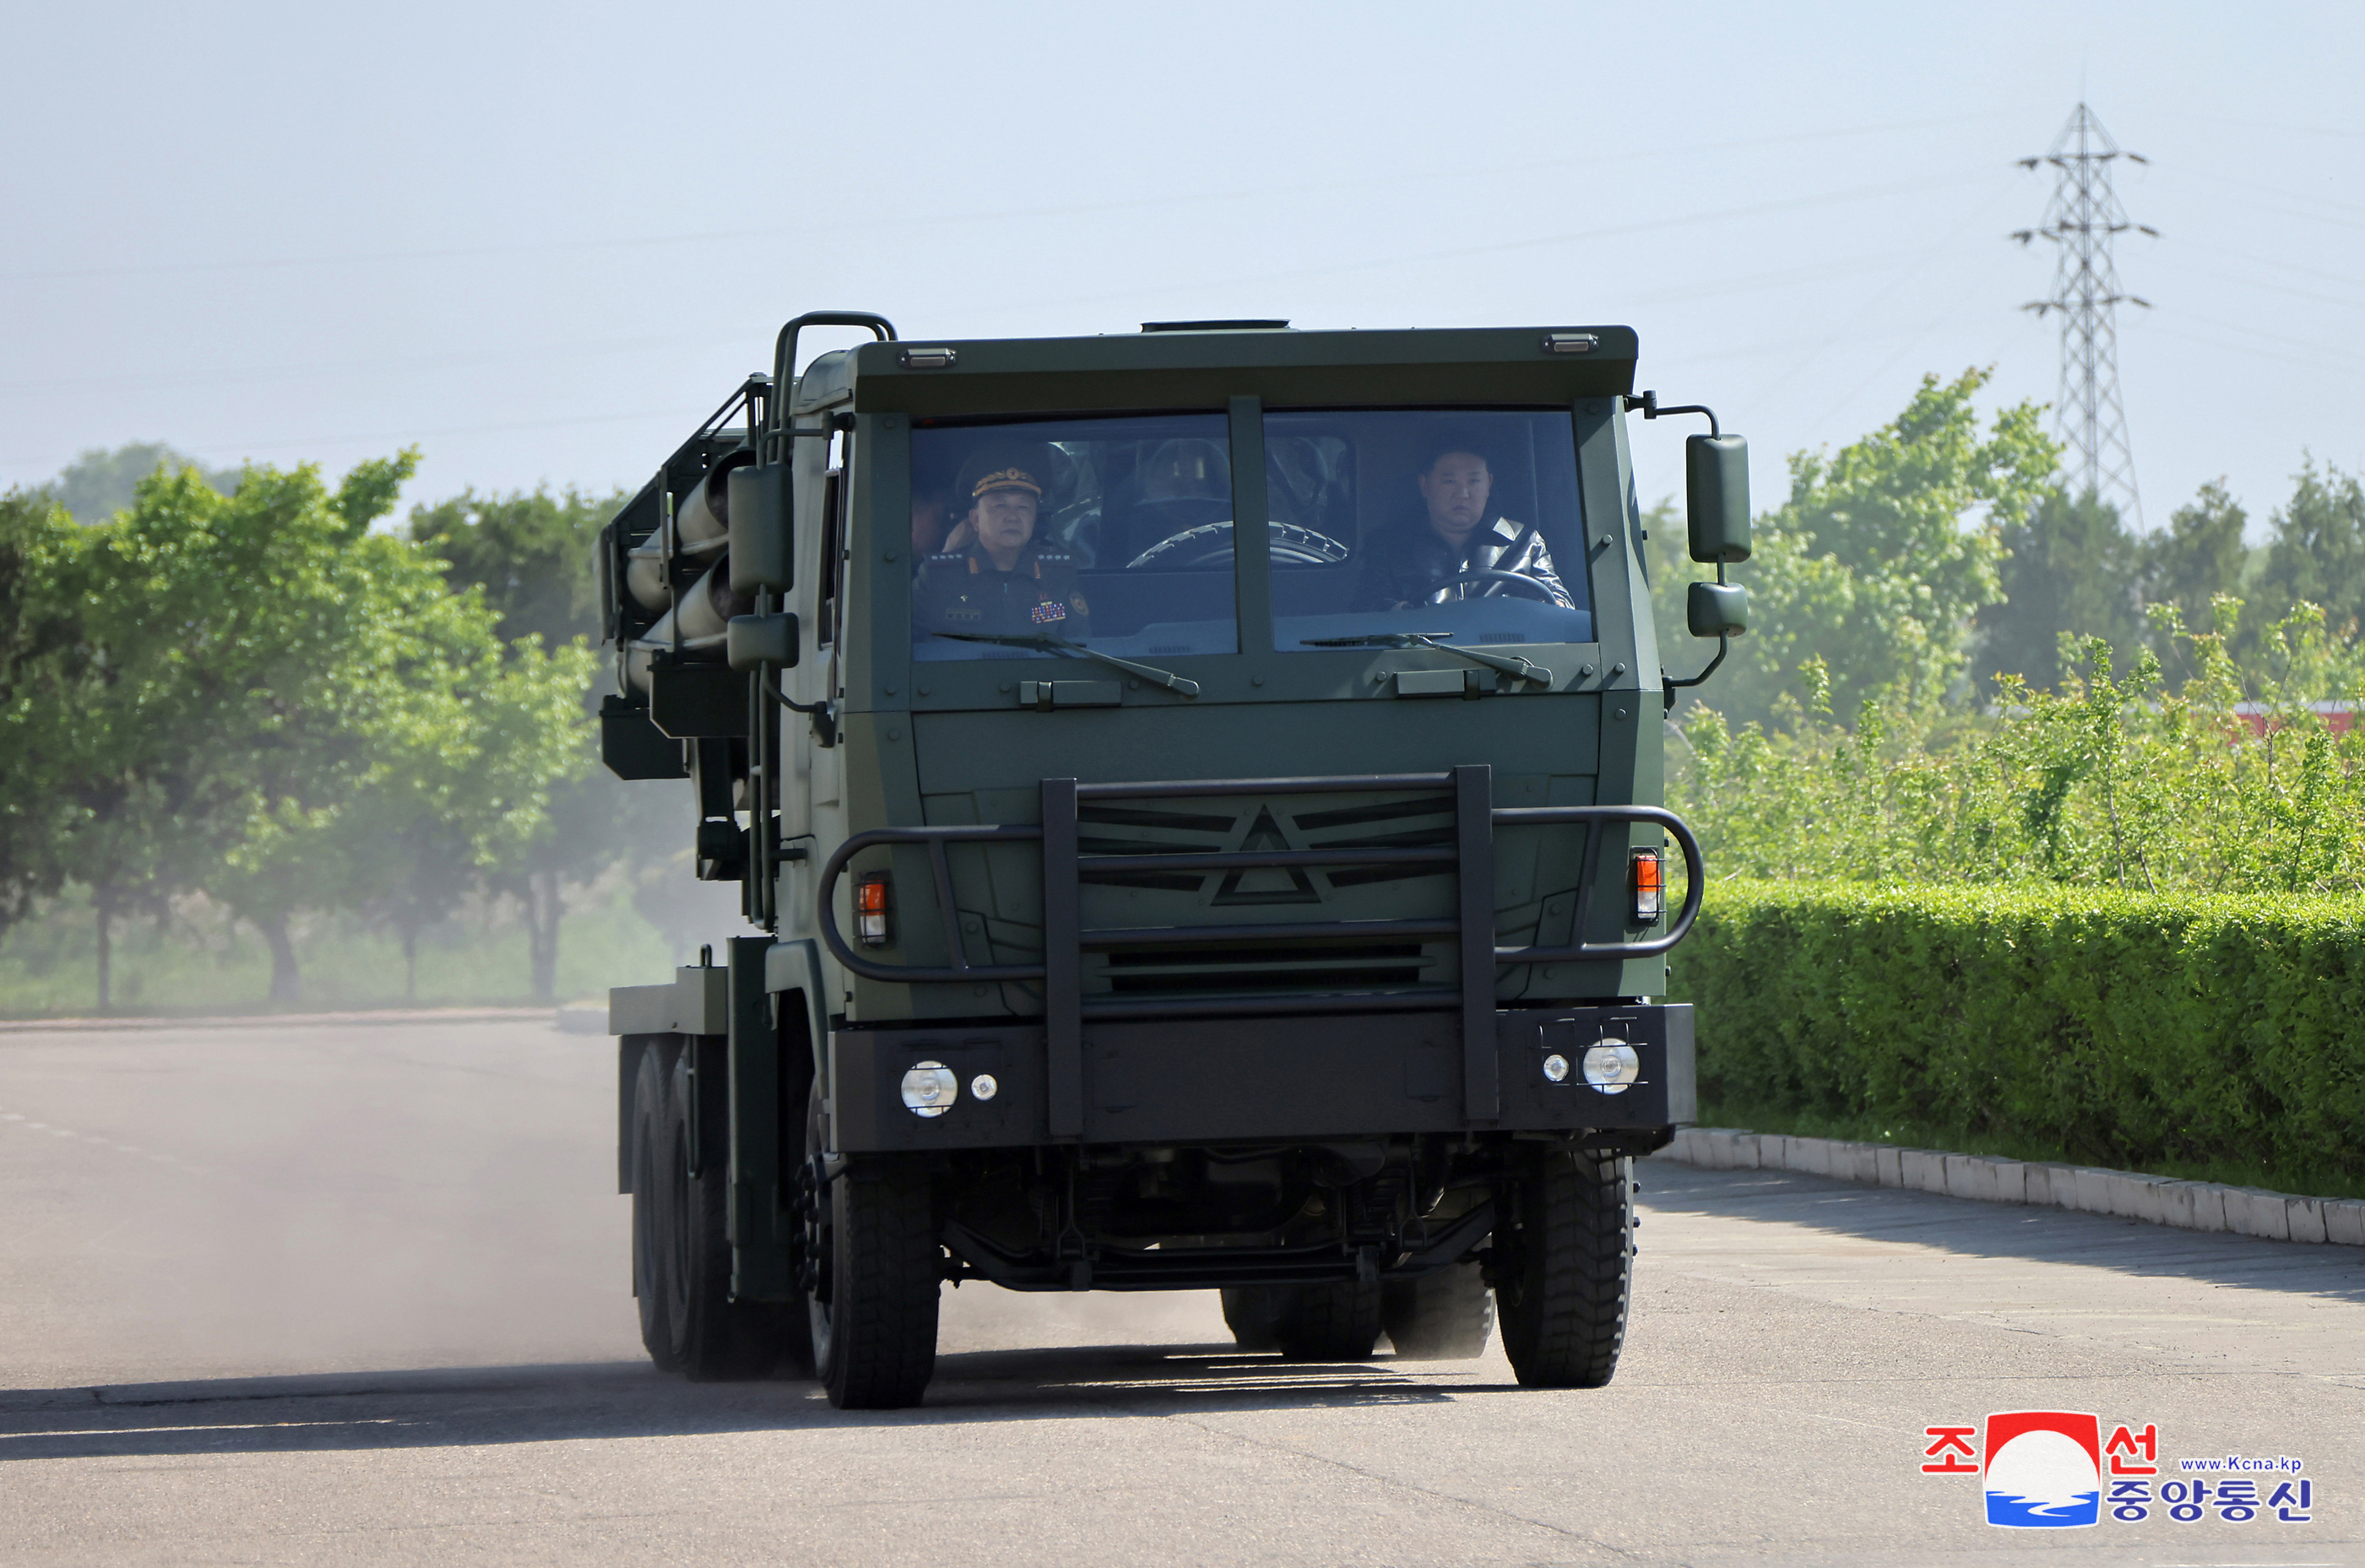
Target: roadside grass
{"x":2300,"y":1180}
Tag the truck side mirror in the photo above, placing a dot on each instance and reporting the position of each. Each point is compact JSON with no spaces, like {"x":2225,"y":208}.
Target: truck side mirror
{"x":760,"y":642}
{"x":1717,"y":609}
{"x":1716,"y":476}
{"x":761,"y":552}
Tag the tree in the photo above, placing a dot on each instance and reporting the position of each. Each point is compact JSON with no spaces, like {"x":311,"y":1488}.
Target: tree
{"x":100,"y":483}
{"x":2197,"y":559}
{"x":41,"y":661}
{"x":290,"y":700}
{"x":528,"y":557}
{"x":529,"y":553}
{"x":2069,"y":567}
{"x":2317,"y":554}
{"x":1882,"y":555}
{"x":149,"y":805}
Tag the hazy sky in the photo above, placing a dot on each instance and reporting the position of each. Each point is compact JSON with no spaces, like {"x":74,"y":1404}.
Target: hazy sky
{"x":542,"y":242}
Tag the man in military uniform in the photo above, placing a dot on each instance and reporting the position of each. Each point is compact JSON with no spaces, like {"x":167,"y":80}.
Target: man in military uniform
{"x":1002,"y":581}
{"x":1408,"y":565}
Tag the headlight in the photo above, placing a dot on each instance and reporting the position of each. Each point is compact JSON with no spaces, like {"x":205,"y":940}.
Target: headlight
{"x":930,"y":1088}
{"x":1611,"y":1066}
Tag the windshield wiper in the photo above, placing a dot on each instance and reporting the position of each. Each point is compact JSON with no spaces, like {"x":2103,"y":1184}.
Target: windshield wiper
{"x":1047,"y":644}
{"x":1511,"y":664}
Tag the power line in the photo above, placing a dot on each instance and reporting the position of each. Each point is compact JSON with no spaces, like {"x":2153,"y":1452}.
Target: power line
{"x":2244,"y":280}
{"x":2264,"y":125}
{"x":2081,"y":220}
{"x":1921,"y":186}
{"x":941,"y":221}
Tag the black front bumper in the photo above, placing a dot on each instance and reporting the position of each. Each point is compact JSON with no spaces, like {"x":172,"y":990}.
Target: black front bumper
{"x":1203,"y":1080}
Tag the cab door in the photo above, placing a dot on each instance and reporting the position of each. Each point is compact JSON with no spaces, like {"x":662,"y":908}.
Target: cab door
{"x":813,"y":814}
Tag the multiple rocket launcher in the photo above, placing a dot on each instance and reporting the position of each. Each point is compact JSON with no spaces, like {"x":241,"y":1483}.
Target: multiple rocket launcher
{"x":696,"y":530}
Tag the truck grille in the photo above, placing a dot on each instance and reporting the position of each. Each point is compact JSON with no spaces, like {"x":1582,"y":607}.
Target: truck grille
{"x":1425,"y":824}
{"x":1360,"y":966}
{"x":1139,"y":830}
{"x":1281,"y":824}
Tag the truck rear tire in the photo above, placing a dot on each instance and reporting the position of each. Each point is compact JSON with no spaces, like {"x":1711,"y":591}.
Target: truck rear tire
{"x":1328,"y":1323}
{"x":1445,"y":1315}
{"x":1563,"y":1288}
{"x":874,"y":1314}
{"x":1253,"y":1314}
{"x":713,"y":1339}
{"x":652,"y":1091}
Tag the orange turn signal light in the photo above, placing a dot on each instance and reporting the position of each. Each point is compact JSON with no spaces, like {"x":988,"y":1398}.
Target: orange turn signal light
{"x":871,"y":903}
{"x":1650,"y":886}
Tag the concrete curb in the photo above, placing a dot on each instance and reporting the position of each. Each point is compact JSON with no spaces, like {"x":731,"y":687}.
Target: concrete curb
{"x":279,"y":1020}
{"x":2126,"y":1194}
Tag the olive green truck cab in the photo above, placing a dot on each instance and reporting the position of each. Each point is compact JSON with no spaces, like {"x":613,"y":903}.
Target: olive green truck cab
{"x":1140,"y":912}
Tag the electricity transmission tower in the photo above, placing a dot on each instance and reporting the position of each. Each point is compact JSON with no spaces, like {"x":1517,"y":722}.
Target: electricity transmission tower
{"x":2080,"y":221}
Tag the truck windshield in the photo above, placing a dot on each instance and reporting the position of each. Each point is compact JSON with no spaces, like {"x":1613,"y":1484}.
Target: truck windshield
{"x":1464,"y":524}
{"x":1112,"y":532}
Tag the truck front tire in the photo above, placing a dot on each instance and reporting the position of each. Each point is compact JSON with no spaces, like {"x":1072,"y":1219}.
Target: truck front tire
{"x":1563,"y":1280}
{"x":874,"y":1312}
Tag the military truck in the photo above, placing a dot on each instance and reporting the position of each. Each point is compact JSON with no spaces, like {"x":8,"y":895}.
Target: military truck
{"x":1140,"y":912}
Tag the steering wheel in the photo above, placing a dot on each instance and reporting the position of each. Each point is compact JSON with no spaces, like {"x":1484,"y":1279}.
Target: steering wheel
{"x":1210,"y":545}
{"x":1516,"y":581}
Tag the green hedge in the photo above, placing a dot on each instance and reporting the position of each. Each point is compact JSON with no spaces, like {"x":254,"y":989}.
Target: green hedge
{"x":2130,"y":1030}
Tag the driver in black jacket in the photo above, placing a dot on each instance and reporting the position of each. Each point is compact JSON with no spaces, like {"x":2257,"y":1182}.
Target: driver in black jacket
{"x":1454,"y":533}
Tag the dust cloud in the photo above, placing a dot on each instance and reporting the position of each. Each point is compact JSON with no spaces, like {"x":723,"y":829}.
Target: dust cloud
{"x":986,"y":1317}
{"x":207,"y":1202}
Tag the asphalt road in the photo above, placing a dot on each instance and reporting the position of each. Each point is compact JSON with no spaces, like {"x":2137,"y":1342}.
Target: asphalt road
{"x":299,"y":1295}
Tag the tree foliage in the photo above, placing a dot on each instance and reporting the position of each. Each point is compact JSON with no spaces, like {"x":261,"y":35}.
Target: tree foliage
{"x":2070,"y":566}
{"x":2197,"y":559}
{"x":102,"y":481}
{"x":2244,"y":775}
{"x":2317,"y":552}
{"x":256,"y":696}
{"x":41,"y":661}
{"x":527,"y":557}
{"x":528,"y":553}
{"x":1881,"y":554}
